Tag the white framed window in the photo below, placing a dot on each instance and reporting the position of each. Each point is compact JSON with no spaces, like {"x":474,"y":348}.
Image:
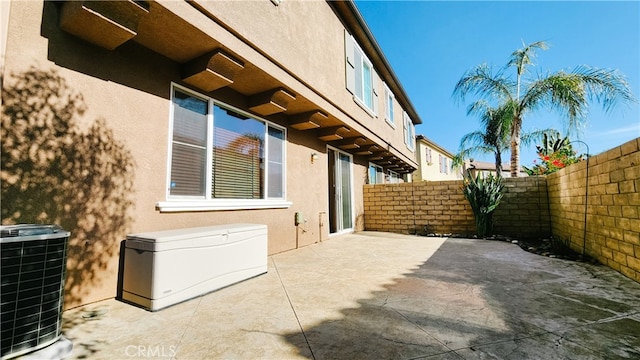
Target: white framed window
{"x":221,"y":157}
{"x":409,"y":132}
{"x":360,"y":75}
{"x":388,"y":103}
{"x":364,"y":79}
{"x":376,"y":174}
{"x":444,"y":164}
{"x":393,"y":177}
{"x":429,"y":156}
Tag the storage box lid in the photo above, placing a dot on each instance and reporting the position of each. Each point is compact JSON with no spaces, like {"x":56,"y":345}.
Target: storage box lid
{"x":189,"y":233}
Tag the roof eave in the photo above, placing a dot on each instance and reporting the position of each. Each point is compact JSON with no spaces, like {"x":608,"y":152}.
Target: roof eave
{"x":353,"y":20}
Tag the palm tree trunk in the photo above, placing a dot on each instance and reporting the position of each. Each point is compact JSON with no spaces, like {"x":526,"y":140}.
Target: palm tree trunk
{"x":515,"y":146}
{"x":498,"y":162}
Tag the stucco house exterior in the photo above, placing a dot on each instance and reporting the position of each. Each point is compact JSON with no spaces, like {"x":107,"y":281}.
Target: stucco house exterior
{"x":123,"y":117}
{"x":434,"y":162}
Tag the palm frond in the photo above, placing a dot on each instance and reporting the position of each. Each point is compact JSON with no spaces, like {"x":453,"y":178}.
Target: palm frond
{"x":472,"y":139}
{"x":525,"y":55}
{"x":497,"y":124}
{"x":530,"y":136}
{"x":481,"y":82}
{"x":457,"y":161}
{"x":570,"y":93}
{"x":607,"y":86}
{"x":562,"y":92}
{"x":478,"y":108}
{"x":468,"y":152}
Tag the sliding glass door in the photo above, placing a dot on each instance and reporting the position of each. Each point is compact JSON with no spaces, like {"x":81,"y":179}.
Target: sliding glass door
{"x":340,"y":194}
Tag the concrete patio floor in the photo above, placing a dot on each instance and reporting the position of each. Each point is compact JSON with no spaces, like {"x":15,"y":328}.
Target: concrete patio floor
{"x":384,"y":296}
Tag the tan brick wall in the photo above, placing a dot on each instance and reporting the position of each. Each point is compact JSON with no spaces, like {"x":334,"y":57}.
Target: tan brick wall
{"x":533,"y":207}
{"x":441,"y":207}
{"x":613,"y":207}
{"x":524,"y":209}
{"x":402,"y":208}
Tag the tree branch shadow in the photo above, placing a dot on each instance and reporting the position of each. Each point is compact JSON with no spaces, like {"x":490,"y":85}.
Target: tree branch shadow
{"x":55,"y":171}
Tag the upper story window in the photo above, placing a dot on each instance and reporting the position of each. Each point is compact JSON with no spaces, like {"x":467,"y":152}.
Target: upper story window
{"x":222,"y":158}
{"x":376,"y":174}
{"x":388,"y":103}
{"x":444,"y":164}
{"x":393,"y":177}
{"x":364,"y":79}
{"x":429,"y":156}
{"x":409,"y":132}
{"x":360,"y":75}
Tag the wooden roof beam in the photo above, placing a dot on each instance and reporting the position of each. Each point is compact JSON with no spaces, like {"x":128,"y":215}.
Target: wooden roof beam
{"x":211,"y":71}
{"x":271,"y":102}
{"x":350,"y":143}
{"x":308,"y":120}
{"x":332,"y":133}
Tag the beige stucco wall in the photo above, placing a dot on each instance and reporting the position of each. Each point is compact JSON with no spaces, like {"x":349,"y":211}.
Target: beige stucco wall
{"x":126,"y":93}
{"x":430,"y":171}
{"x":283,"y":32}
{"x":5,"y":7}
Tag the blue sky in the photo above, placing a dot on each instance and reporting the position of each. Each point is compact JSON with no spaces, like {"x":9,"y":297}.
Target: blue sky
{"x":430,"y":44}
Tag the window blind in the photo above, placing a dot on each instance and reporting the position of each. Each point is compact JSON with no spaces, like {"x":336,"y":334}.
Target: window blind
{"x":188,"y":145}
{"x":237,"y":165}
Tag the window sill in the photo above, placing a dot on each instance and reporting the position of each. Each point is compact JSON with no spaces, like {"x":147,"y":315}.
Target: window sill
{"x":364,"y":107}
{"x":390,"y":123}
{"x":217,"y":205}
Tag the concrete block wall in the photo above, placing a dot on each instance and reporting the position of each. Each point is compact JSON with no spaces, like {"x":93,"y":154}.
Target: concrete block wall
{"x":534,"y":207}
{"x":524,"y":209}
{"x":441,"y":207}
{"x":613,"y":207}
{"x":402,"y":208}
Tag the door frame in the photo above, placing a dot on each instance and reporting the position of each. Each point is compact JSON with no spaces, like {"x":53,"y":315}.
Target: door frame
{"x":333,"y":201}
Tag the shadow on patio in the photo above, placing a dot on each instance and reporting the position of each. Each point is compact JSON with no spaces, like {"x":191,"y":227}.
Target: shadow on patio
{"x":384,"y":296}
{"x":483,"y":299}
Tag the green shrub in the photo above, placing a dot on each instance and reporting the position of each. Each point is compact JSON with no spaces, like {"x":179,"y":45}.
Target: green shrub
{"x":484,"y":195}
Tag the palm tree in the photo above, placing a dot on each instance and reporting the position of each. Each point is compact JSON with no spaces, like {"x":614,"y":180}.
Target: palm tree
{"x":567,"y":92}
{"x":492,"y":139}
{"x":494,"y":136}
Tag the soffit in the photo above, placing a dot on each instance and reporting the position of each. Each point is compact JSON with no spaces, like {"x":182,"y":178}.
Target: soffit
{"x":209,"y":65}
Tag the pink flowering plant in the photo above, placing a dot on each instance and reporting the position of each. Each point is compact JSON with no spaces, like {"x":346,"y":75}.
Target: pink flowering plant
{"x":553,"y":162}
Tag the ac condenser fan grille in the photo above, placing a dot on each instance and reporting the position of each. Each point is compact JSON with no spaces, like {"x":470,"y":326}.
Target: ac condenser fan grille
{"x":31,"y":301}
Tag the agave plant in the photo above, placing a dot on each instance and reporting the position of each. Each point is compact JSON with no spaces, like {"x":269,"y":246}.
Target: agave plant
{"x":484,"y":195}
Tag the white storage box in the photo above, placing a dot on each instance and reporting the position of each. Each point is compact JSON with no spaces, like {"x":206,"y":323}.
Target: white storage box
{"x":166,"y":267}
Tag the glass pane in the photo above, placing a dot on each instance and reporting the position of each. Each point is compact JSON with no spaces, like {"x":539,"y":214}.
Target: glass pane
{"x":367,"y":90}
{"x":275,"y":156}
{"x":238,"y":156}
{"x":380,"y":176}
{"x":373,"y":176}
{"x":358,"y":73}
{"x":188,"y":155}
{"x":187,"y":170}
{"x":189,"y":119}
{"x":345,"y":188}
